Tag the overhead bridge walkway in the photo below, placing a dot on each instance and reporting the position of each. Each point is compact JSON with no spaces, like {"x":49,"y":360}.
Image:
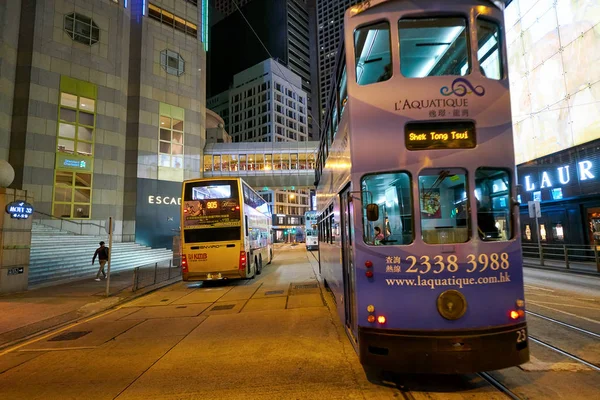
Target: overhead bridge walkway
{"x":280,"y":164}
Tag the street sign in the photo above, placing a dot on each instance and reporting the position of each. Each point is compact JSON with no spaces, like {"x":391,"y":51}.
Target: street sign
{"x":535,"y":210}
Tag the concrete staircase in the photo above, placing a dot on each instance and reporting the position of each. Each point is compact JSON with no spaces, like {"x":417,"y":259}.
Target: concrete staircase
{"x":58,"y":255}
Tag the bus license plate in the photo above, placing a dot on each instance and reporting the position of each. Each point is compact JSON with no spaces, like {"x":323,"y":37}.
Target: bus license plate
{"x":213,"y":276}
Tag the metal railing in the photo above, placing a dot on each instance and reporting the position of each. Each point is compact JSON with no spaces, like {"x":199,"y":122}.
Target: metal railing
{"x":569,"y":255}
{"x":70,"y":225}
{"x":151,"y":274}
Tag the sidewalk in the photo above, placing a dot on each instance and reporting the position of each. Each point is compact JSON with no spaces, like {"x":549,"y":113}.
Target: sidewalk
{"x":586,"y":268}
{"x":27,"y":313}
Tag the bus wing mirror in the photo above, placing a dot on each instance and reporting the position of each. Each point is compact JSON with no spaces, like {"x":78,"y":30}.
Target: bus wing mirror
{"x":372,"y":212}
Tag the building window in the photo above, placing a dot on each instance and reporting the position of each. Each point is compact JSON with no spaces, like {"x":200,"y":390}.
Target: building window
{"x":72,"y":195}
{"x":172,"y":20}
{"x":172,"y":62}
{"x":81,"y":29}
{"x":76,"y":125}
{"x":170,"y":147}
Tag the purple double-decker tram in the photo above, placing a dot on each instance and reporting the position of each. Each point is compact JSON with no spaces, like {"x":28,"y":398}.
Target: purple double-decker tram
{"x":418,"y":217}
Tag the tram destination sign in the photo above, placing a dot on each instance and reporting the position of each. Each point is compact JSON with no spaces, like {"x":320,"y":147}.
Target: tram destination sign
{"x":440,"y":135}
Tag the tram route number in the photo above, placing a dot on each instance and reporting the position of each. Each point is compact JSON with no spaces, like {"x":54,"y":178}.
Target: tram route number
{"x":521,"y":335}
{"x":438,"y":264}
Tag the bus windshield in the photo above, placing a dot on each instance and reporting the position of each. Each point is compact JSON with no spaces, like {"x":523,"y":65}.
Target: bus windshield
{"x":211,"y":211}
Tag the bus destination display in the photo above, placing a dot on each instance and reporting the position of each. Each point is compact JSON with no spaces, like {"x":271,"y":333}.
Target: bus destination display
{"x":440,"y":135}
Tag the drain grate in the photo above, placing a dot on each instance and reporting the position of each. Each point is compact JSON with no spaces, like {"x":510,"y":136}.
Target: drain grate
{"x":272,"y":292}
{"x":224,"y":307}
{"x":308,"y":286}
{"x":69,"y":336}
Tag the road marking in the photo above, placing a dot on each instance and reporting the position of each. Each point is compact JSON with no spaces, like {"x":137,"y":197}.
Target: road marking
{"x":539,"y":288}
{"x":565,"y":312}
{"x":47,"y":335}
{"x":563,"y":304}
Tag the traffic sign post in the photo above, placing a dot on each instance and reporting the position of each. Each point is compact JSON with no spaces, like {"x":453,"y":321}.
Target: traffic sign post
{"x":535,"y":211}
{"x":109,"y":229}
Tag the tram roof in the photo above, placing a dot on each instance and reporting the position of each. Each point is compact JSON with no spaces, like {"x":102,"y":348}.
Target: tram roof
{"x":360,"y":7}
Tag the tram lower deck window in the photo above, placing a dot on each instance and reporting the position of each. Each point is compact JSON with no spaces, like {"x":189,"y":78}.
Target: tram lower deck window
{"x":392,"y":193}
{"x":443,"y":202}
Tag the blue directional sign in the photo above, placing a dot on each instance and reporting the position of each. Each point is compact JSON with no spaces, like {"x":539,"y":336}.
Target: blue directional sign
{"x":19,"y":209}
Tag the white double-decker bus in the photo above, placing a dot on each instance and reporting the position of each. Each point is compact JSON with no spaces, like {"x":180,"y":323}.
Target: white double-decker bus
{"x":226,"y":230}
{"x":311,"y":230}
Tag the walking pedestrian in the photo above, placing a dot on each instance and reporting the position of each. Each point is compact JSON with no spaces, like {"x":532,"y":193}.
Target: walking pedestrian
{"x":102,"y":253}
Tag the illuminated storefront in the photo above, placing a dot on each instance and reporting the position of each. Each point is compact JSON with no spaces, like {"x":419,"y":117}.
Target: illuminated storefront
{"x":567,"y":184}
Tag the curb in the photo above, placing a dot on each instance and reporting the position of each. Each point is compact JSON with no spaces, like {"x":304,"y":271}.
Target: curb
{"x":45,"y":326}
{"x":563,"y":270}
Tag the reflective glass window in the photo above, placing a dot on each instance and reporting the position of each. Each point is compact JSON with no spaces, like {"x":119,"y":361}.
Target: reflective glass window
{"x":488,"y":53}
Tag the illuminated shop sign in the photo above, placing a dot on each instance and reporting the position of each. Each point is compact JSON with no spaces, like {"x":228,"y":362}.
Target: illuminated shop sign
{"x":166,"y":200}
{"x":19,"y":209}
{"x":74,"y":164}
{"x":548,"y":178}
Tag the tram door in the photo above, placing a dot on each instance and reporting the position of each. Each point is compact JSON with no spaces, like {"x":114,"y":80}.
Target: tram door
{"x":346,"y":212}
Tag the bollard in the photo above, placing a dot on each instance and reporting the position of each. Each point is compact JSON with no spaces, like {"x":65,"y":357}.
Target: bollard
{"x":134,"y":286}
{"x":566,"y":256}
{"x":169,"y":274}
{"x":155,"y":272}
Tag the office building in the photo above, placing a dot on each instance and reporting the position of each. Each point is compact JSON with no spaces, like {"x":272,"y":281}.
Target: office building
{"x":103,"y":109}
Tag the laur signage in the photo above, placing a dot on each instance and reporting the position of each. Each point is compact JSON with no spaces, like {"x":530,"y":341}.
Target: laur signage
{"x":572,"y":173}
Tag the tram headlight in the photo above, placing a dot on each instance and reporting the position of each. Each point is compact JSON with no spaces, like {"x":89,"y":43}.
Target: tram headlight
{"x":381,"y":319}
{"x":514,"y":314}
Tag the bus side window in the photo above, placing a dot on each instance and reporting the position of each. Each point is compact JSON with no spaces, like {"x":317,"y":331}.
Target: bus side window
{"x":246,"y":223}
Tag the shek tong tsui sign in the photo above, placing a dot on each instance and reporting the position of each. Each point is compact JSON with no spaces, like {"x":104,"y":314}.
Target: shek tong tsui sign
{"x":19,"y":209}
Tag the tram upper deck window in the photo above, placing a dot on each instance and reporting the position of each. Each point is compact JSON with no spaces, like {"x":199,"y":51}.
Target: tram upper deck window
{"x":373,"y":53}
{"x":444,"y":206}
{"x":488,"y":54}
{"x":433,"y":47}
{"x":392,"y":194}
{"x":492,"y":190}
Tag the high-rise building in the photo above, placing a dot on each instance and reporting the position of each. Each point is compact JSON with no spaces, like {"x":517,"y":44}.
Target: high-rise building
{"x":330,"y":21}
{"x":103,"y":109}
{"x":283,"y":28}
{"x":265,"y":104}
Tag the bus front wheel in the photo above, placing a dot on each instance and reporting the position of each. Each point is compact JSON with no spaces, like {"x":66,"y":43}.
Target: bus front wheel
{"x":259,"y":266}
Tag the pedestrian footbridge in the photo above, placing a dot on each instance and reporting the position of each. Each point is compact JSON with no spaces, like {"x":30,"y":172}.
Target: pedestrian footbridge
{"x":279,"y":164}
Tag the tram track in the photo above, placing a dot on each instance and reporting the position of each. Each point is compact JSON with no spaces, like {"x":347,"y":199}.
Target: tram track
{"x":573,"y":327}
{"x":498,"y":385}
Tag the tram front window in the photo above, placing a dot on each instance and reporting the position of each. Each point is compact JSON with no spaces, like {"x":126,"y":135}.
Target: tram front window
{"x":433,"y":47}
{"x":492,"y":190}
{"x":392,"y":194}
{"x":444,"y":206}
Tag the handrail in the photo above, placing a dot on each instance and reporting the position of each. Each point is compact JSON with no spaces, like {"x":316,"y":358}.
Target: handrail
{"x":79,"y":223}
